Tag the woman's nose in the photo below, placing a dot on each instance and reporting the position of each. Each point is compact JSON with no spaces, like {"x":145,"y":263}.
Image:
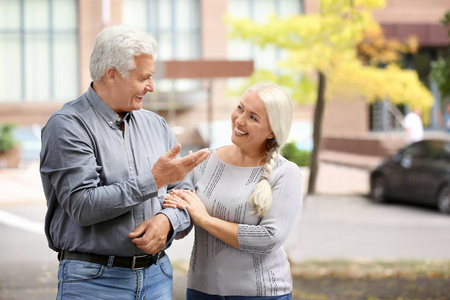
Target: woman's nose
{"x":240,"y":119}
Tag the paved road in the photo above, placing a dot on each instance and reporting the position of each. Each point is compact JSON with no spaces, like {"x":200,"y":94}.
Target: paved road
{"x":343,"y":225}
{"x":352,"y":227}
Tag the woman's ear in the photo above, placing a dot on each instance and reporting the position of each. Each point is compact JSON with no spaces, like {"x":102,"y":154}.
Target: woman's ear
{"x":270,"y":136}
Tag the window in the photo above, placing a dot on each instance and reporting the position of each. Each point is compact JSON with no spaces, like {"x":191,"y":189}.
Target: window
{"x":259,"y":11}
{"x":39,"y":50}
{"x":175,"y":24}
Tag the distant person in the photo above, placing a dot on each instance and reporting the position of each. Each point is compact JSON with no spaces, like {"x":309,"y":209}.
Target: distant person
{"x":446,"y":118}
{"x":106,"y":165}
{"x":413,"y":126}
{"x":246,"y":201}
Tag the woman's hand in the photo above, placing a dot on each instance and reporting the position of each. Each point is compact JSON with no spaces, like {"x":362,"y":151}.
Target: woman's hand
{"x":221,"y":229}
{"x":172,"y":201}
{"x":189,"y":200}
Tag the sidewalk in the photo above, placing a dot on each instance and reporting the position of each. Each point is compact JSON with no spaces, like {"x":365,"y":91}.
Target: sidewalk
{"x":338,"y":224}
{"x":339,"y":173}
{"x":21,"y":185}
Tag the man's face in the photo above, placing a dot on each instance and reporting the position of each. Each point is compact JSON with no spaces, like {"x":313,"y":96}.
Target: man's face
{"x":131,"y":90}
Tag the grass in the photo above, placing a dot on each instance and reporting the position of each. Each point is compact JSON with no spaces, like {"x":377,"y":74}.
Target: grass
{"x":362,"y":268}
{"x":362,"y":279}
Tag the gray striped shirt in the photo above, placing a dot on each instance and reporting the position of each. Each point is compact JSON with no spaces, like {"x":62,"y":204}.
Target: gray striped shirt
{"x":260,"y":266}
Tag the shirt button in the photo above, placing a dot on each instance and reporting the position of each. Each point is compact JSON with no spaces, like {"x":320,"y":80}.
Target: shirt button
{"x":131,"y":168}
{"x":110,"y":122}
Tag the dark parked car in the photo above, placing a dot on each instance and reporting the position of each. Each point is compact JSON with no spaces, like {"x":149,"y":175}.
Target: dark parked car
{"x":418,"y":173}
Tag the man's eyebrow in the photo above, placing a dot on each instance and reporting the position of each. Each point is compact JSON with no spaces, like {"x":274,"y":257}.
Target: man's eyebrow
{"x":147,"y":74}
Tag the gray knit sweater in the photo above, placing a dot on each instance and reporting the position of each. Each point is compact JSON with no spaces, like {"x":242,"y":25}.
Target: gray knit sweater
{"x":260,"y":266}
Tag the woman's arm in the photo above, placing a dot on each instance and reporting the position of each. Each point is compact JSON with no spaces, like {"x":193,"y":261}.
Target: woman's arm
{"x":273,"y":229}
{"x":223,"y":230}
{"x":277,"y":224}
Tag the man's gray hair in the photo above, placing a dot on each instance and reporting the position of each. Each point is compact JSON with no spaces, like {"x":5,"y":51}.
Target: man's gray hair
{"x":116,"y":47}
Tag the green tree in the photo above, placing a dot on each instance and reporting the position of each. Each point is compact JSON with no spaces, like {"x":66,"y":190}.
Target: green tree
{"x":7,"y":140}
{"x":325,"y":44}
{"x":441,"y":68}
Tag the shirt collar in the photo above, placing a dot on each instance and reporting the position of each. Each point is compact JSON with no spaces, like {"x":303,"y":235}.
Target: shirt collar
{"x":108,"y":114}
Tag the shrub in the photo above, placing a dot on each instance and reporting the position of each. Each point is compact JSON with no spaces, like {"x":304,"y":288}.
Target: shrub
{"x":299,"y":157}
{"x":7,"y":140}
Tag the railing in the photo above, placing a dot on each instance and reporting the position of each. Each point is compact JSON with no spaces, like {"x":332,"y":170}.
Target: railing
{"x":386,"y":117}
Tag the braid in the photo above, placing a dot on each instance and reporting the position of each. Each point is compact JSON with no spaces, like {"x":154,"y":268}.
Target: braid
{"x":270,"y":162}
{"x":261,"y":198}
{"x":279,"y":114}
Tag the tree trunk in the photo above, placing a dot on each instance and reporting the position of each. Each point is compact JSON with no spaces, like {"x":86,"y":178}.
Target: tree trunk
{"x":317,"y":133}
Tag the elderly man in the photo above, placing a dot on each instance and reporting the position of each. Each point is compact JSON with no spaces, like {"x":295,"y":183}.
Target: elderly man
{"x":106,"y":165}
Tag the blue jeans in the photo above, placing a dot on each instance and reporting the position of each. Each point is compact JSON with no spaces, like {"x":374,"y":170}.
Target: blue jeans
{"x":85,"y":281}
{"x":196,"y":295}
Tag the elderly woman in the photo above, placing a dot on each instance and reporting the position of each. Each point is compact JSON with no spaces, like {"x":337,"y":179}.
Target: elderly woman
{"x":247,"y":198}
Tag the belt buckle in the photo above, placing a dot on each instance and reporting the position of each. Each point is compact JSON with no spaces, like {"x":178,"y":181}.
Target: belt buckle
{"x":133,"y":264}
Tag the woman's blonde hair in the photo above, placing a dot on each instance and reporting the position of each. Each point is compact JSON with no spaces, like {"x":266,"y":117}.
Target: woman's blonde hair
{"x":279,"y":112}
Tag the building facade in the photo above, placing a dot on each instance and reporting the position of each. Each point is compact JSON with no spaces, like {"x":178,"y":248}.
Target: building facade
{"x":45,"y":47}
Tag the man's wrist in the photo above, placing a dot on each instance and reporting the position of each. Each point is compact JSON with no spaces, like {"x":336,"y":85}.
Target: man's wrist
{"x":168,"y":227}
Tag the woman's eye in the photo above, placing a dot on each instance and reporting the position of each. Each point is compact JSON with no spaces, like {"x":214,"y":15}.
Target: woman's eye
{"x":253,"y":118}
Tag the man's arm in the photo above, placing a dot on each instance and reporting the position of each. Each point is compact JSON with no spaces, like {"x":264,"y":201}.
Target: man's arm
{"x":71,"y":171}
{"x":70,"y":165}
{"x":156,"y":232}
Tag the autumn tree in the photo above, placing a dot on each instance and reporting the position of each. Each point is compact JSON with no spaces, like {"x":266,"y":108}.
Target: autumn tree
{"x":325,"y":44}
{"x":376,"y":49}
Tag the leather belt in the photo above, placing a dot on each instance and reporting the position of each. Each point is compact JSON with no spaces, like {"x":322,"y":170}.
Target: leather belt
{"x":135,"y":262}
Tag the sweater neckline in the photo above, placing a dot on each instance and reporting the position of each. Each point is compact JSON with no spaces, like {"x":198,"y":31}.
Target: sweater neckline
{"x":216,"y":156}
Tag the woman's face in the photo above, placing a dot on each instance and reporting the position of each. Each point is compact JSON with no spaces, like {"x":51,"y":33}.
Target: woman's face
{"x":250,"y":124}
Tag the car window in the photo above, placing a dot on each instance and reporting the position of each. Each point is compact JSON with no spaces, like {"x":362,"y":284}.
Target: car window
{"x":446,"y":151}
{"x":434,"y":149}
{"x":416,"y":150}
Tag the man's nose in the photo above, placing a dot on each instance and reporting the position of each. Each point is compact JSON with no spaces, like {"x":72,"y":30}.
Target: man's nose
{"x":150,"y":87}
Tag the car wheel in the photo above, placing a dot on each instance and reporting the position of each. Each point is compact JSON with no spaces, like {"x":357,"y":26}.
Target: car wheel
{"x":378,"y":189}
{"x":444,"y":200}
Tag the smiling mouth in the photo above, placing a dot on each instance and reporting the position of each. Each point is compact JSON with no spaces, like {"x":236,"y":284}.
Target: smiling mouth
{"x":239,"y":132}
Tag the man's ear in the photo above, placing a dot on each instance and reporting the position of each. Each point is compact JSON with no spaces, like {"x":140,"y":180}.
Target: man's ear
{"x":111,"y":75}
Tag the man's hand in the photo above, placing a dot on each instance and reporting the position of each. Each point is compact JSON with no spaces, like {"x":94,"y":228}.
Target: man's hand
{"x":151,"y":235}
{"x":168,"y":170}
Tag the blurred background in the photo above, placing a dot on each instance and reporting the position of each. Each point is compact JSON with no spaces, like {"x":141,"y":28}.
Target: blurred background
{"x":45,"y":47}
{"x":375,"y":60}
